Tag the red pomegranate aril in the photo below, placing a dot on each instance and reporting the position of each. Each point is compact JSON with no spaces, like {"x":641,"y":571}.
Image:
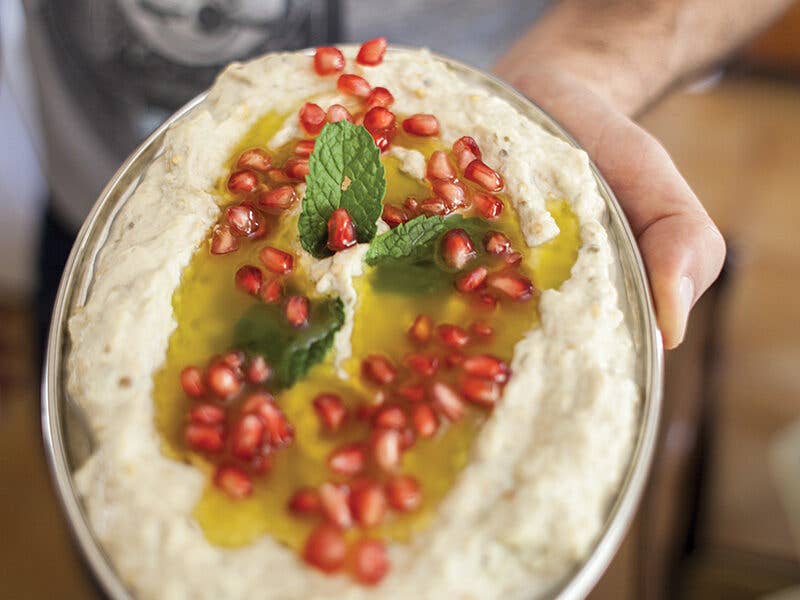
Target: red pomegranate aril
{"x":371,"y":51}
{"x":488,"y":206}
{"x":434,"y":206}
{"x":341,"y":231}
{"x":205,"y":438}
{"x":276,"y":260}
{"x":368,"y":504}
{"x":407,"y":438}
{"x":472,"y":280}
{"x":486,"y":300}
{"x":248,"y":279}
{"x":207,"y":414}
{"x":386,"y":449}
{"x":326,"y":548}
{"x":423,"y":364}
{"x":347,"y":460}
{"x":242,"y":182}
{"x":222,"y":380}
{"x":277,"y":430}
{"x":412,"y":392}
{"x":304,"y":148}
{"x":421,"y":329}
{"x":512,"y":284}
{"x":234,"y":359}
{"x":411,"y":205}
{"x":452,"y":335}
{"x":312,"y":118}
{"x":261,"y":464}
{"x":513,"y":258}
{"x":404,"y":493}
{"x":255,"y":159}
{"x":331,"y":411}
{"x":256,"y":402}
{"x":465,"y":150}
{"x":353,"y":85}
{"x":380,"y":96}
{"x":479,"y":172}
{"x":393,"y":216}
{"x":304,"y":502}
{"x":378,"y":369}
{"x":421,"y":124}
{"x":242,"y":218}
{"x":496,"y":243}
{"x":328,"y":60}
{"x":278,"y":176}
{"x":487,"y":366}
{"x":233,"y":481}
{"x":223,"y":241}
{"x":297,"y":310}
{"x":246,"y":437}
{"x":296,"y":168}
{"x":192,"y":382}
{"x":337,"y":112}
{"x":457,"y":248}
{"x":277,"y":200}
{"x":271,"y":291}
{"x":424,"y":418}
{"x":481,"y":328}
{"x":447,"y":401}
{"x":379,"y":119}
{"x":480,"y":391}
{"x":453,"y":193}
{"x":440,"y":167}
{"x":370,"y":561}
{"x":389,"y":417}
{"x":258,"y":371}
{"x":334,"y":503}
{"x":382,"y":138}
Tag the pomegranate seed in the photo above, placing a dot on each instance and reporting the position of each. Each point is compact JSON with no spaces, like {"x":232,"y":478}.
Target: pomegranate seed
{"x":380,"y":96}
{"x":276,"y":260}
{"x":192,"y":382}
{"x":353,"y":85}
{"x":334,"y":502}
{"x":485,"y":176}
{"x":248,"y":279}
{"x":255,"y":159}
{"x":421,"y":124}
{"x":378,"y":369}
{"x":312,"y":118}
{"x":255,"y":402}
{"x":513,"y":258}
{"x":487,"y":366}
{"x":403,"y":493}
{"x":305,"y":501}
{"x":370,"y":561}
{"x":204,"y":438}
{"x":246,"y":437}
{"x":277,"y":200}
{"x":371,"y":51}
{"x":277,"y":430}
{"x":452,"y":193}
{"x":379,"y":119}
{"x":328,"y":60}
{"x":304,"y":148}
{"x":434,"y":206}
{"x":452,"y":335}
{"x":234,"y":359}
{"x":278,"y":176}
{"x":242,"y":182}
{"x":440,"y":167}
{"x":365,"y":412}
{"x":326,"y":548}
{"x":330,"y":410}
{"x":258,"y":371}
{"x":423,"y":364}
{"x":480,"y":391}
{"x":496,"y":243}
{"x":412,"y":393}
{"x":390,"y":417}
{"x":411,"y":205}
{"x":368,"y":504}
{"x":386,"y":448}
{"x":383,"y":138}
{"x":393,"y":216}
{"x":481,"y":328}
{"x":472,"y":280}
{"x":457,"y":248}
{"x":488,"y":205}
{"x":447,"y":401}
{"x":296,"y":168}
{"x":271,"y":291}
{"x":513,"y":285}
{"x":223,"y":241}
{"x":454,"y":359}
{"x":243,"y":218}
{"x":233,"y":481}
{"x":347,"y":460}
{"x":466,"y":150}
{"x":341,"y":230}
{"x":207,"y":414}
{"x":222,"y":380}
{"x":407,"y":438}
{"x":486,"y":300}
{"x":424,"y":419}
{"x":297,"y":308}
{"x":420,"y":331}
{"x":337,"y":112}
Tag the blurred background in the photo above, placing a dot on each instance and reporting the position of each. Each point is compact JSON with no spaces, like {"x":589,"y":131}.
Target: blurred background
{"x":721,"y":516}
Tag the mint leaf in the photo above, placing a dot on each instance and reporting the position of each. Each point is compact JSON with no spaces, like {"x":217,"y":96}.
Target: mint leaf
{"x":344,"y":156}
{"x":292,"y":352}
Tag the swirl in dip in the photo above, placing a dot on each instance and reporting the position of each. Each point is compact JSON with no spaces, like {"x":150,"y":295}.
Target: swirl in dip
{"x":355,"y":333}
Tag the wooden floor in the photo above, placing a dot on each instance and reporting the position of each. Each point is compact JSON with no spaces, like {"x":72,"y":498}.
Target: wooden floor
{"x":739,"y":146}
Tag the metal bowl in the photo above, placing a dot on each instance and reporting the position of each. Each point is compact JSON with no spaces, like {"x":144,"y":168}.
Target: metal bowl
{"x":68,"y":440}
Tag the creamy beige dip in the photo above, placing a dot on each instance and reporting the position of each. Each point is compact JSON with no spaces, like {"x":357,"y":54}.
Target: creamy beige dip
{"x":547,"y":464}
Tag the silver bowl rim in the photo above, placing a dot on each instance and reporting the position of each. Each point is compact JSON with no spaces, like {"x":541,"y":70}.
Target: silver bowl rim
{"x":576,"y":585}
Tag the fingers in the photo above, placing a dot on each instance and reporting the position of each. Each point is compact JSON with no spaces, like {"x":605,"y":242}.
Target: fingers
{"x":682,"y":249}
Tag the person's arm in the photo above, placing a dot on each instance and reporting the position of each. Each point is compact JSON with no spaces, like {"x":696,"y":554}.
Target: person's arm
{"x":593,"y":63}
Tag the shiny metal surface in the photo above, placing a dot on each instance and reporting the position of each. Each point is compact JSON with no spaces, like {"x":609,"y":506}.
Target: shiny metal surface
{"x":68,"y":441}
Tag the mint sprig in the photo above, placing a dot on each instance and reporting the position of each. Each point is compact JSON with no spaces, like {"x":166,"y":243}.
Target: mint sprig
{"x":345,"y":170}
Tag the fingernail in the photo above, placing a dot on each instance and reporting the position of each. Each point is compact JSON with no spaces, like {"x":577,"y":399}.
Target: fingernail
{"x":685,"y":299}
